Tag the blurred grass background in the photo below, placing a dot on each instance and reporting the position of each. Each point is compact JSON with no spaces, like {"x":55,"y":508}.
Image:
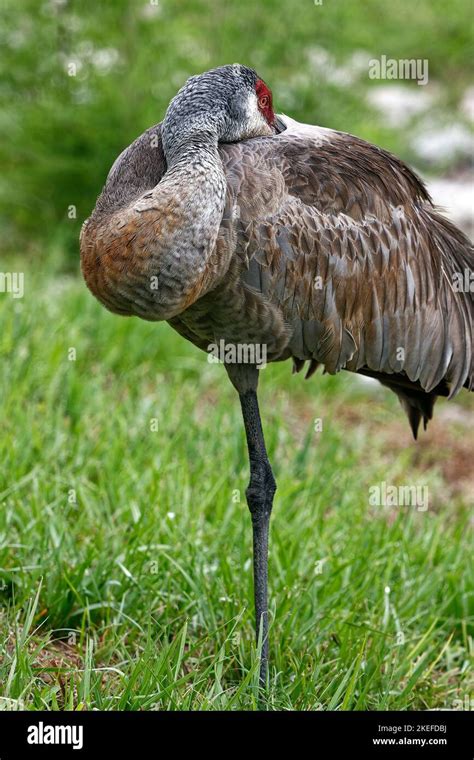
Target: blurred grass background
{"x":59,"y":134}
{"x":125,"y":576}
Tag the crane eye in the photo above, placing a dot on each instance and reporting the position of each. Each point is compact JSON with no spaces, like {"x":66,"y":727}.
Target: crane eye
{"x":263,"y":101}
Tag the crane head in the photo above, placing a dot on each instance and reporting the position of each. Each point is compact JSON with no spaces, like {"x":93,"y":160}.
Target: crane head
{"x":230,"y":101}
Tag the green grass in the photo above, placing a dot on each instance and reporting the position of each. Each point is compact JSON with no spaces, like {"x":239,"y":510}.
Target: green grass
{"x":125,"y":564}
{"x":60,"y":134}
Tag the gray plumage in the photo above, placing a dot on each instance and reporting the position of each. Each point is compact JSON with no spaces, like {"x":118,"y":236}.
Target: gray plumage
{"x":313,"y":242}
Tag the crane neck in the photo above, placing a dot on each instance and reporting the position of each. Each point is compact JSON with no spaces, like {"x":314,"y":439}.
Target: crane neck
{"x":189,"y":146}
{"x":158,"y":254}
{"x":190,"y":202}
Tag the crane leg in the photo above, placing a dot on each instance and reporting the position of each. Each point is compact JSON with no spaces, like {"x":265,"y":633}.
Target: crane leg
{"x":259,"y":494}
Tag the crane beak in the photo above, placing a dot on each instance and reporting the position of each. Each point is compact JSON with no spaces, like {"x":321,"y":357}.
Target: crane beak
{"x":278,"y":125}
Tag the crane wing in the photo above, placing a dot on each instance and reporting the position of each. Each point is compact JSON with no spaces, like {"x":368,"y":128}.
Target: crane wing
{"x":344,"y":238}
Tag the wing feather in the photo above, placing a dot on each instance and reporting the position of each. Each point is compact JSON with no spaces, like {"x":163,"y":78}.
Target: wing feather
{"x":350,"y":249}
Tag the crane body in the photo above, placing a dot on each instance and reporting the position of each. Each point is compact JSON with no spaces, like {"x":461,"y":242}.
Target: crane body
{"x":242,"y":228}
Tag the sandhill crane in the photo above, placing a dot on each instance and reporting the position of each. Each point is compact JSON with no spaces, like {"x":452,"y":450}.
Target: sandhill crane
{"x":242,"y":228}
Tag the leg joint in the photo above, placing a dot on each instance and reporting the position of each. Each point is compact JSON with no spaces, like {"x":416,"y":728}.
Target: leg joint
{"x":261,"y":489}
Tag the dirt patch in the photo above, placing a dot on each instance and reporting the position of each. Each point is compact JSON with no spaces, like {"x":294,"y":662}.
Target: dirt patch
{"x":55,"y":660}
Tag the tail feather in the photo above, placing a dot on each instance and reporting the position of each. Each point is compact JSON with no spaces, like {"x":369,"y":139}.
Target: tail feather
{"x":417,"y":403}
{"x":417,"y":406}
